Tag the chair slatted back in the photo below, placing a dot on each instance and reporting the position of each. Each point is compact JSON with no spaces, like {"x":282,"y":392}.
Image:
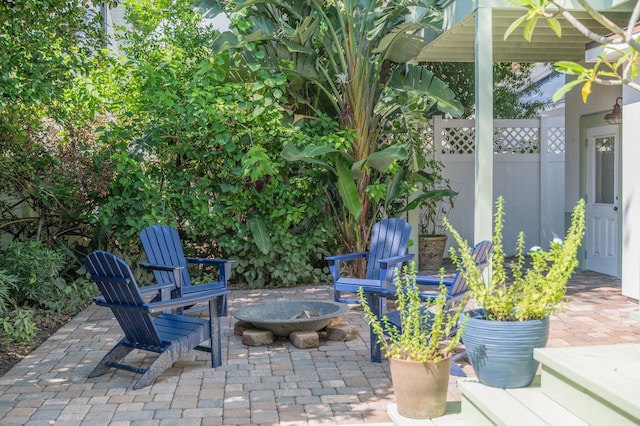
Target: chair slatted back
{"x":389,"y":238}
{"x":163,"y":247}
{"x":120,"y":291}
{"x":481,"y":253}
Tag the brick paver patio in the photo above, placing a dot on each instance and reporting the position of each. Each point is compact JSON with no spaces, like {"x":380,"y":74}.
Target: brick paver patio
{"x":276,"y":384}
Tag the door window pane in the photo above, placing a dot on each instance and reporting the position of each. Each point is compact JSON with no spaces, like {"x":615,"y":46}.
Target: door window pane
{"x":605,"y":169}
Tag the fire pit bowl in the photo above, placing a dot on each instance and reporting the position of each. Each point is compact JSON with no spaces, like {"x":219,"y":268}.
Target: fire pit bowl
{"x":283,"y":318}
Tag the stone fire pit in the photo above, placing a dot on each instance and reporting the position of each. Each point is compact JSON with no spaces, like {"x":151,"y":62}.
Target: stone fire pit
{"x":283,"y":318}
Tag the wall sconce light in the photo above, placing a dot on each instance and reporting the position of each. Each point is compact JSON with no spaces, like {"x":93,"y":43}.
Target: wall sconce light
{"x":615,"y":116}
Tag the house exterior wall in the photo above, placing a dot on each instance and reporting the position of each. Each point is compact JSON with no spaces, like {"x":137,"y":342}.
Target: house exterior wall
{"x":630,"y":194}
{"x":600,"y":100}
{"x":599,"y":103}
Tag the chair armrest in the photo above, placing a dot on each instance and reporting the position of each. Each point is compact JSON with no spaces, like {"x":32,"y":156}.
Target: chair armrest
{"x":164,"y":290}
{"x":155,"y":287}
{"x":391,"y":292}
{"x":334,"y":262}
{"x":209,"y":262}
{"x":223,"y":265}
{"x":348,"y":256}
{"x":390,"y":261}
{"x":203,"y":287}
{"x":177,"y":271}
{"x":433,"y":280}
{"x":384,"y":263}
{"x":160,"y":267}
{"x":183,"y":301}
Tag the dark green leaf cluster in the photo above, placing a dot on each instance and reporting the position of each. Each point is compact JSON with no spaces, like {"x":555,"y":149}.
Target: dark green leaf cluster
{"x":34,"y":277}
{"x":39,"y":278}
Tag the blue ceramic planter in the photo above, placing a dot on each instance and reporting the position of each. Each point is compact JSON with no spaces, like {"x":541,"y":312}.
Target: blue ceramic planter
{"x":501,"y":352}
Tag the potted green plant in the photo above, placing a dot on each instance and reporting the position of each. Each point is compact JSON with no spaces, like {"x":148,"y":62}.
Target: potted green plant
{"x":434,"y":203}
{"x":419,"y":351}
{"x":516,"y":307}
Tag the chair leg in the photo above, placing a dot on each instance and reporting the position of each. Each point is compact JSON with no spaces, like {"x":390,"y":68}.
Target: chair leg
{"x":118,"y":352}
{"x":222,"y":308}
{"x":374,"y":301}
{"x":215,"y":343}
{"x":214,"y":323}
{"x":455,"y":368}
{"x":165,"y":360}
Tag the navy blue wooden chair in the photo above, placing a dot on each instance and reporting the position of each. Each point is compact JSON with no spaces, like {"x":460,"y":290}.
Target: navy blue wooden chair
{"x":162,"y":247}
{"x":457,"y":288}
{"x":387,"y":250}
{"x":150,"y":326}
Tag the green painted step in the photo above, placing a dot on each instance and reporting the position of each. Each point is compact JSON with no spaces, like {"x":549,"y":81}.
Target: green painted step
{"x":485,"y":405}
{"x":598,"y":383}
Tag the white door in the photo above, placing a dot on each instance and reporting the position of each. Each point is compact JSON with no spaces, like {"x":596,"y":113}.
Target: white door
{"x":601,"y":243}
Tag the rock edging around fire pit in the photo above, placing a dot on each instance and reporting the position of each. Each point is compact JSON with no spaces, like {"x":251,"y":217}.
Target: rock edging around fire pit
{"x":302,"y":321}
{"x":335,"y":330}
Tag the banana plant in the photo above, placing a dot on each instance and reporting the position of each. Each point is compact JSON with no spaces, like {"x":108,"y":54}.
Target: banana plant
{"x":351,"y":60}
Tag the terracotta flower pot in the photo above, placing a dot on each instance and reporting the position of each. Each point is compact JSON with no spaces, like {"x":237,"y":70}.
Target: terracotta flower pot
{"x":420,"y":388}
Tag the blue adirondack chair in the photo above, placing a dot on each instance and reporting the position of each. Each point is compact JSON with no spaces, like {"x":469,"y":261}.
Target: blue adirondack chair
{"x":456,"y":294}
{"x":150,"y":326}
{"x":163,"y":248}
{"x":387,"y":249}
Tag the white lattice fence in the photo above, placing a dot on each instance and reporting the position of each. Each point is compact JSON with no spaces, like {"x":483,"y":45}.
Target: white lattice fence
{"x":530,"y":178}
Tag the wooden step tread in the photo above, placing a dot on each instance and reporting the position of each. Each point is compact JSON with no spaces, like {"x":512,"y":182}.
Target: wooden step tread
{"x":611,"y":372}
{"x":522,"y":406}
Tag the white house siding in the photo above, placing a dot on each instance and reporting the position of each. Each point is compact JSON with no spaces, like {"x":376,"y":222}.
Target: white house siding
{"x":631,"y":194}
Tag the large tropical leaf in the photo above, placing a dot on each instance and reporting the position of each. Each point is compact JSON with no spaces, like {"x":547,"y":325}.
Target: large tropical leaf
{"x":259,"y":232}
{"x":347,"y":189}
{"x":401,"y":44}
{"x":415,"y":78}
{"x":309,"y":155}
{"x":381,"y":160}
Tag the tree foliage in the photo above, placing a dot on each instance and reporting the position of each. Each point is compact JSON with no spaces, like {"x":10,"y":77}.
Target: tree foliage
{"x":195,"y":150}
{"x":511,"y":81}
{"x":46,"y":49}
{"x":622,"y":70}
{"x":43,"y":46}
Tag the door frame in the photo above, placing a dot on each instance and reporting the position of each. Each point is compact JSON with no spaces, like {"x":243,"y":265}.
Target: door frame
{"x":588,"y":122}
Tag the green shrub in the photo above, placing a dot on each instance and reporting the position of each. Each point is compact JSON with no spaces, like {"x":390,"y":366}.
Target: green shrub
{"x":38,"y":272}
{"x":17,"y":327}
{"x":8,"y":286}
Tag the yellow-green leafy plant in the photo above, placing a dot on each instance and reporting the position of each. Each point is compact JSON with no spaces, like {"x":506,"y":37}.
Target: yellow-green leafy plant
{"x":422,"y":337}
{"x":537,"y":285}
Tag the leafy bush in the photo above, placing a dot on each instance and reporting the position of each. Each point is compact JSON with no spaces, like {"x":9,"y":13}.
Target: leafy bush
{"x":201,"y":153}
{"x":31,"y":282}
{"x":17,"y":327}
{"x":39,"y":280}
{"x":8,"y":285}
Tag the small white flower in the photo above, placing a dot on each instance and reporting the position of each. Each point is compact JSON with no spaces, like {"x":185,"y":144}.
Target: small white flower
{"x":557,"y":240}
{"x":342,"y":78}
{"x":535,"y":248}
